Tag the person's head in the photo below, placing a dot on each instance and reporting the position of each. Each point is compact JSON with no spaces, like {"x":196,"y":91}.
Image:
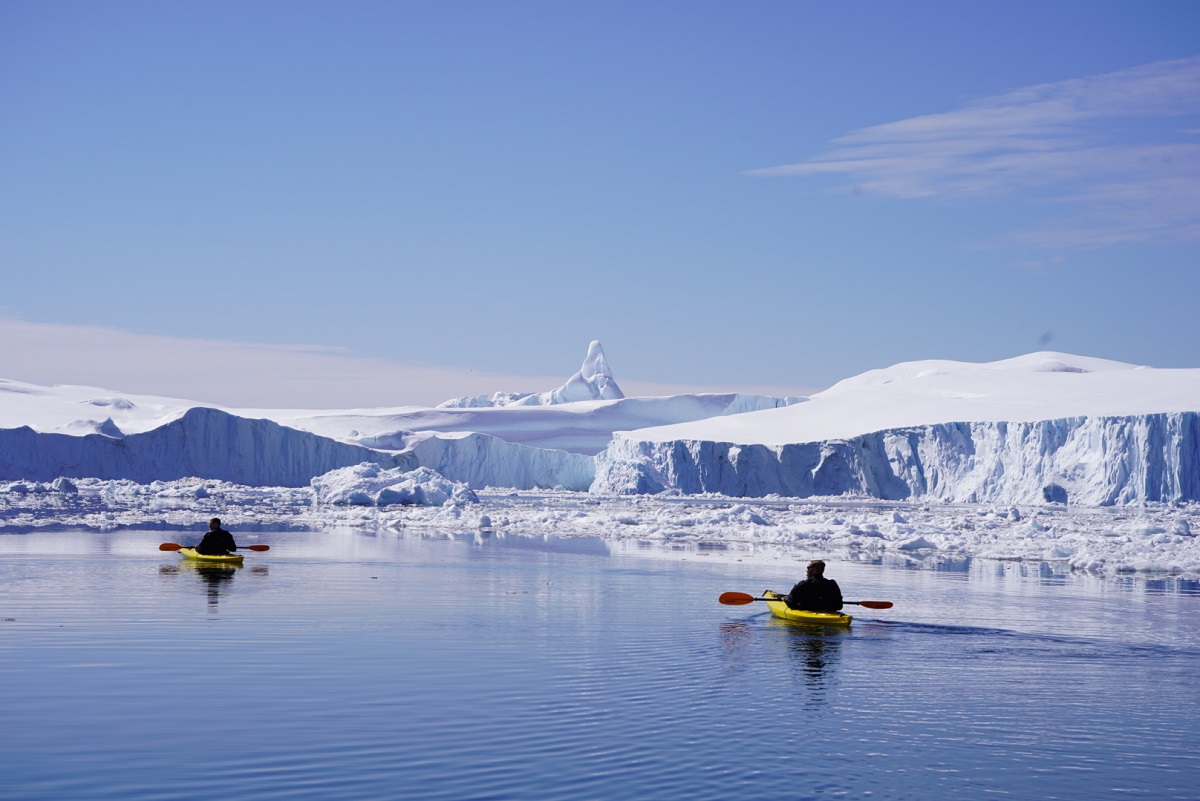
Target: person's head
{"x":215,"y":523}
{"x":816,"y":568}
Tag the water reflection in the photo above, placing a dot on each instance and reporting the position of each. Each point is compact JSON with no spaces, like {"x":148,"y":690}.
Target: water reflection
{"x":811,"y":654}
{"x":1162,"y":586}
{"x":815,"y":653}
{"x":216,"y":580}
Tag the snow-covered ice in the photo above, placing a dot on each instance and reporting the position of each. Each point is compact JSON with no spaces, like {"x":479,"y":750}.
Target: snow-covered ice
{"x":1080,"y":461}
{"x":368,"y":484}
{"x":1042,"y":427}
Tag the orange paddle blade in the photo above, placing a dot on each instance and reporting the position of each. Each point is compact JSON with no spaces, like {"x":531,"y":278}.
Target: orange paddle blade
{"x":873,"y":604}
{"x":736,"y":598}
{"x":255,"y":547}
{"x":170,"y":546}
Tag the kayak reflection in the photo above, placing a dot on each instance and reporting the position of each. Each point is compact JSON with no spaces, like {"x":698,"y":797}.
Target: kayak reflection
{"x":816,"y":651}
{"x":216,"y":579}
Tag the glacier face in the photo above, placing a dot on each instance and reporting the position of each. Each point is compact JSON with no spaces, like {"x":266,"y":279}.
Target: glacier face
{"x":202,"y":442}
{"x":1079,"y":431}
{"x":519,"y":448}
{"x":1090,"y":461}
{"x":480,"y":461}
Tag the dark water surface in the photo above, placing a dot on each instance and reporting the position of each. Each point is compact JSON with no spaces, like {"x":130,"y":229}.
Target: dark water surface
{"x":351,"y":666}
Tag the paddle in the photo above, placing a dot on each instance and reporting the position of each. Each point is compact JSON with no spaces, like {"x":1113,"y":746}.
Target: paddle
{"x":740,"y":598}
{"x":174,"y":546}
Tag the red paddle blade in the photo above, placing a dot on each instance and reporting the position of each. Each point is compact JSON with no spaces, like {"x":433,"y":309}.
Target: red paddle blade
{"x":170,"y":546}
{"x":875,"y":604}
{"x":255,"y":547}
{"x":735,"y":598}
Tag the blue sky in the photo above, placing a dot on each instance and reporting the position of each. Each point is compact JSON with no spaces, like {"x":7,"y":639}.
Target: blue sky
{"x":758,"y":195}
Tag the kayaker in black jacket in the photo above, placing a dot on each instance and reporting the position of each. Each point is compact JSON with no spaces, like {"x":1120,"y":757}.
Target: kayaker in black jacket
{"x":816,"y":593}
{"x":217,"y":542}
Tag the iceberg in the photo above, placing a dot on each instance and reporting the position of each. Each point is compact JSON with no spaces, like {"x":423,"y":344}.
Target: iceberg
{"x":549,"y":442}
{"x":1045,"y":428}
{"x":1088,"y":461}
{"x":480,"y":460}
{"x":593,"y":381}
{"x":201,"y":442}
{"x":368,"y":484}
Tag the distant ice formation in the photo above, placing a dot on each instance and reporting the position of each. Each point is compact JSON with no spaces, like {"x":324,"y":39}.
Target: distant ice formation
{"x":1085,"y":461}
{"x":200,"y":442}
{"x":368,"y":484}
{"x":1044,"y":428}
{"x":594,"y":381}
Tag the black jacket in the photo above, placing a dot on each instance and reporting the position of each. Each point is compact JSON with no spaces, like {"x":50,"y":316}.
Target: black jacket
{"x":816,"y":595}
{"x":217,"y":542}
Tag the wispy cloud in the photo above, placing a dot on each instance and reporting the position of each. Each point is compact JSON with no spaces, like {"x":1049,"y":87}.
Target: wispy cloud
{"x":1119,"y":151}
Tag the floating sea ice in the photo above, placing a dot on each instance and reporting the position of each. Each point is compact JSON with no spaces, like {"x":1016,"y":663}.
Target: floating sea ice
{"x":917,"y":544}
{"x":368,"y":484}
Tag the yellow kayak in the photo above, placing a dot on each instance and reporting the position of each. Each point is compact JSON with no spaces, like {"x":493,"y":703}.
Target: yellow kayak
{"x":232,"y":559}
{"x":782,"y":610}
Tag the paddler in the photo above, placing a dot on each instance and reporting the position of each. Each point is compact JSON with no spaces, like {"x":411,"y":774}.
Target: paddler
{"x":218,"y":541}
{"x":815,"y":593}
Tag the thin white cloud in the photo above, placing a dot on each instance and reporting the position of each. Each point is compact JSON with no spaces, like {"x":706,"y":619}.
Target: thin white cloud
{"x":247,"y":375}
{"x":1114,"y":150}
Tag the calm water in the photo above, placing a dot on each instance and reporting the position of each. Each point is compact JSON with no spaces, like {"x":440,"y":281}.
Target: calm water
{"x":351,"y":666}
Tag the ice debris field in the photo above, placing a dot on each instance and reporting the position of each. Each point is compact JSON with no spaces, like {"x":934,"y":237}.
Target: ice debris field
{"x":1089,"y":463}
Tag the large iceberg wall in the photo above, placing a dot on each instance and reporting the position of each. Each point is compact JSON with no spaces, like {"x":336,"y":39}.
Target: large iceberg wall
{"x":1092,"y":461}
{"x":480,"y":461}
{"x":202,"y":442}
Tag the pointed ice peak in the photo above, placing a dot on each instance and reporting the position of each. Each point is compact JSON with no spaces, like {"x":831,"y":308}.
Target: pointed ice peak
{"x":595,"y":371}
{"x":594,"y":381}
